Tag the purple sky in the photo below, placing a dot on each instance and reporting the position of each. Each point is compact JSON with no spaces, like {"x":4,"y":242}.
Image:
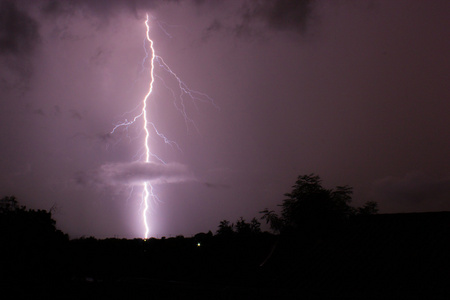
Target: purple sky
{"x":355,"y":91}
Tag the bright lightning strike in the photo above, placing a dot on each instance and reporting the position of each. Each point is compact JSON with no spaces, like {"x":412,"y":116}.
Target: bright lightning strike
{"x":147,"y":185}
{"x":149,"y":127}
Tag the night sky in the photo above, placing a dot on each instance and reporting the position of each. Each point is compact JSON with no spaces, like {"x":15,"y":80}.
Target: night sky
{"x":357,"y":92}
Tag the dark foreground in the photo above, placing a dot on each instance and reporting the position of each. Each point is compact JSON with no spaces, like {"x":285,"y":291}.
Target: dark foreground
{"x":371,"y":257}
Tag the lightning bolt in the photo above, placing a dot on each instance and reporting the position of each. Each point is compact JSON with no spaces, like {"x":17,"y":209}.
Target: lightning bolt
{"x":148,"y":194}
{"x":148,"y":188}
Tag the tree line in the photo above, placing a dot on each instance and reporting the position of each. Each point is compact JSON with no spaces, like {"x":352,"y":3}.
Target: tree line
{"x":309,"y":207}
{"x":324,"y":247}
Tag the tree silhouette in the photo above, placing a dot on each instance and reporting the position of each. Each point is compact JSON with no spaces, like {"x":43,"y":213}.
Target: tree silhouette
{"x":313,"y":208}
{"x":242,"y":227}
{"x":276,"y":223}
{"x":8,"y":204}
{"x":30,"y":242}
{"x":245,"y":228}
{"x":370,"y":208}
{"x":22,"y":225}
{"x":255,"y":226}
{"x":225,"y":228}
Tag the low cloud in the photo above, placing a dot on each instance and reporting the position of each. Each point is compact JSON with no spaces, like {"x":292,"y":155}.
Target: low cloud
{"x":133,"y":173}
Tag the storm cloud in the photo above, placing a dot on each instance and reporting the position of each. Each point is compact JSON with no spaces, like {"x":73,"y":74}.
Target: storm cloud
{"x":19,"y":38}
{"x":19,"y":32}
{"x":354,"y":91}
{"x":113,"y":174}
{"x":290,"y":15}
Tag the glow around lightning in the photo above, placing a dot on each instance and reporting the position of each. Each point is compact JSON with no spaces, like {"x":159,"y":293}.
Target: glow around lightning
{"x":149,"y":127}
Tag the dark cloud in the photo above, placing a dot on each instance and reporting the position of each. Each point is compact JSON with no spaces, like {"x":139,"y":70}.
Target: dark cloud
{"x":113,"y":174}
{"x":75,"y":114}
{"x":289,"y":15}
{"x":214,"y":26}
{"x":16,"y":72}
{"x":286,"y":14}
{"x":19,"y":37}
{"x":19,"y":32}
{"x":414,"y":191}
{"x":255,"y":17}
{"x":39,"y":112}
{"x":105,"y":137}
{"x":99,"y":7}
